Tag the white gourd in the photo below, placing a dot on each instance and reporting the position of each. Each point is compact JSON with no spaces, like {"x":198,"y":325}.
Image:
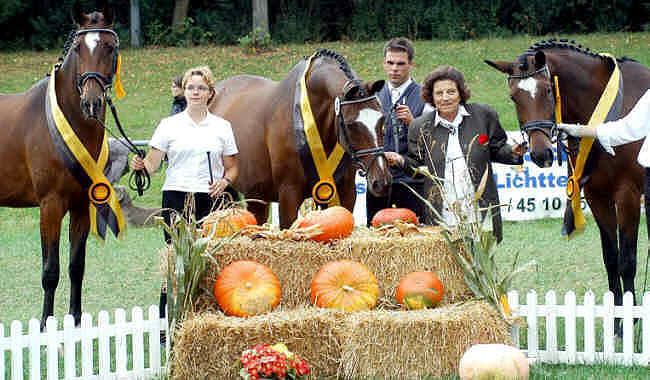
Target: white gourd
{"x":493,"y":362}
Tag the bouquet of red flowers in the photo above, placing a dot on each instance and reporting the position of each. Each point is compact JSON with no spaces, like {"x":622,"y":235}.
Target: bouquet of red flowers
{"x":264,"y":361}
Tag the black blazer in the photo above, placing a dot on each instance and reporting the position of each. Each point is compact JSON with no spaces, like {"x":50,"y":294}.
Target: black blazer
{"x":483,"y":120}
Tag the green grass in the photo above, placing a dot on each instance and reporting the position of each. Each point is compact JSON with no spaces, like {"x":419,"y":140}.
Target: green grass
{"x":125,"y":274}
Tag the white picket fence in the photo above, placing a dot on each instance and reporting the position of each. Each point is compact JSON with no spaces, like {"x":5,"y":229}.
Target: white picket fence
{"x":90,"y":351}
{"x":101,"y":350}
{"x":591,"y":316}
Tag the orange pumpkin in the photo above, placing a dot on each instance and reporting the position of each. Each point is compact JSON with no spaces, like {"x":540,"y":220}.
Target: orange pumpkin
{"x":389,"y":215}
{"x":344,"y":285}
{"x":419,"y":290}
{"x":245,"y":288}
{"x":335,"y":223}
{"x":227,"y":221}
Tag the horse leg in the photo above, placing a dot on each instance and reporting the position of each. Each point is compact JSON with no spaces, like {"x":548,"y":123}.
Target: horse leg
{"x":260,"y":210}
{"x":290,"y":201}
{"x":79,"y":228}
{"x":605,"y":215}
{"x":628,"y":221}
{"x":52,"y":213}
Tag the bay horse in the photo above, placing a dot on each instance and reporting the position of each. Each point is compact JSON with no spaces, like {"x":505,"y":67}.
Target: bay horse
{"x":612,"y":184}
{"x":263,"y":114}
{"x":33,"y":172}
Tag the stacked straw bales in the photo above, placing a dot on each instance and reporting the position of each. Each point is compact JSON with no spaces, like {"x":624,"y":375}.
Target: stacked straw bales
{"x":389,"y":258}
{"x":381,"y":343}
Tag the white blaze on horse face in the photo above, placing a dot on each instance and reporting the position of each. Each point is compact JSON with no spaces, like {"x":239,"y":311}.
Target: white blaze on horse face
{"x":369,"y":117}
{"x":91,"y":39}
{"x":530,"y":85}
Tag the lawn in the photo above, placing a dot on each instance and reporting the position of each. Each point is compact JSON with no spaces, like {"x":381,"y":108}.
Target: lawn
{"x":123,"y":274}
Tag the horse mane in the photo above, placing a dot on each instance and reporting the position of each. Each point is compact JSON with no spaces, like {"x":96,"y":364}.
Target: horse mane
{"x":562,"y":43}
{"x":343,"y":64}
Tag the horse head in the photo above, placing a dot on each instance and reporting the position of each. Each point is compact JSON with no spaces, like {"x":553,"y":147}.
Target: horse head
{"x":360,"y":121}
{"x":532,"y":92}
{"x":95,"y":52}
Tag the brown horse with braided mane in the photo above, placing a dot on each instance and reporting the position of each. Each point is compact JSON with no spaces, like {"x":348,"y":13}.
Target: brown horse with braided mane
{"x":32,"y":171}
{"x":612,"y":184}
{"x":263,"y":116}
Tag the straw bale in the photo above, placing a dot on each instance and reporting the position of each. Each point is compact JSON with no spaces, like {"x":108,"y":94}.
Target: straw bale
{"x":408,"y":344}
{"x":389,"y":257}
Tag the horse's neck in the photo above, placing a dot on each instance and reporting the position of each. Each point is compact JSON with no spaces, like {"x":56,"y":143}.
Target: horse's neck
{"x":582,"y":79}
{"x":89,"y":132}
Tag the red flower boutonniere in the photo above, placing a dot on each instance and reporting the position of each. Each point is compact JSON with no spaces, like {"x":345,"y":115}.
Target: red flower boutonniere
{"x":482,"y":139}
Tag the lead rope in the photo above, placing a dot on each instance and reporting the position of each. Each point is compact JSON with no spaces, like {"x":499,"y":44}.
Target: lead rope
{"x":139,"y":180}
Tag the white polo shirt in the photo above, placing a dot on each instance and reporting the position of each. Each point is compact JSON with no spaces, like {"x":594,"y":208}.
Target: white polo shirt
{"x":634,"y":126}
{"x":187,"y":144}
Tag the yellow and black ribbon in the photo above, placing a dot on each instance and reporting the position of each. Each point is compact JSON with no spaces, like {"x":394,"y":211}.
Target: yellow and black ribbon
{"x":608,"y":108}
{"x":104,"y":206}
{"x":321,"y":170}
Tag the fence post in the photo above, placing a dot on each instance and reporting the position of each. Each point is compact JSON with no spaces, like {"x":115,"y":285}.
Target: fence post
{"x":52,"y":349}
{"x":628,"y":328}
{"x":120,"y":342}
{"x":34,"y":349}
{"x":551,"y":327}
{"x":69,"y":351}
{"x":104,"y":349}
{"x":531,"y":319}
{"x":608,"y":326}
{"x":138,"y":341}
{"x":16,"y":350}
{"x":590,"y":328}
{"x":154,"y":338}
{"x":86,"y":345}
{"x":570,"y":325}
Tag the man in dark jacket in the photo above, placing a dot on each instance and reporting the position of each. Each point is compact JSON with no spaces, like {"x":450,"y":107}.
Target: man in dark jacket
{"x":401,"y":103}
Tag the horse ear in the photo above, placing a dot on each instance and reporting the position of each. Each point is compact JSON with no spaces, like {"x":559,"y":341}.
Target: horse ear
{"x":504,"y":67}
{"x":540,"y":59}
{"x":108,"y":13}
{"x":374,"y":87}
{"x":78,"y":15}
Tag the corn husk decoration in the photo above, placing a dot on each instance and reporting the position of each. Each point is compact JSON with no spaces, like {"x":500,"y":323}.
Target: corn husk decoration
{"x":474,"y":234}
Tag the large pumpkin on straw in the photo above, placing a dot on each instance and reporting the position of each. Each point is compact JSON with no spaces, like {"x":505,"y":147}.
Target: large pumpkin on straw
{"x":389,"y":215}
{"x":335,"y":222}
{"x":245,"y":288}
{"x":419,"y":290}
{"x":226,"y":222}
{"x":344,"y":285}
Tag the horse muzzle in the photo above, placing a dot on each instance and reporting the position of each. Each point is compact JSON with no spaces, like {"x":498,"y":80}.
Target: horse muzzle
{"x":92,"y":108}
{"x":379,"y":185}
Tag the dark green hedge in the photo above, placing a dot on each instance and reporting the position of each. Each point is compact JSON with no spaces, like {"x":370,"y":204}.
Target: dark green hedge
{"x":41,"y":24}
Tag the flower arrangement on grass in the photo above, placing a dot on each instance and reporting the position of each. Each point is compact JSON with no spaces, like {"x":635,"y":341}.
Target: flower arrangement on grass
{"x":473,"y":232}
{"x":264,"y":361}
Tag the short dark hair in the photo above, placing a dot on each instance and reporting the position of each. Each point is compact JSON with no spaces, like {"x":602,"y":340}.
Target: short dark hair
{"x":400,"y":44}
{"x":445,"y":73}
{"x":178,"y":81}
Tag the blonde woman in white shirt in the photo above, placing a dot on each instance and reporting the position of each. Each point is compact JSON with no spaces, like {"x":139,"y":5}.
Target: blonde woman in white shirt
{"x":201,"y":151}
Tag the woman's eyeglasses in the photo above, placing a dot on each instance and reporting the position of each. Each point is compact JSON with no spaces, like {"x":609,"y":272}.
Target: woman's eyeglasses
{"x":191,"y":88}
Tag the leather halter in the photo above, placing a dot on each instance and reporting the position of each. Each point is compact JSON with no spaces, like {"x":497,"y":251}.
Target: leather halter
{"x":538,"y":125}
{"x":343,"y":132}
{"x":104,"y":82}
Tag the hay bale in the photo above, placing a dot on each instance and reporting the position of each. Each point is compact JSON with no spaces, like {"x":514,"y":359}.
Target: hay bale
{"x":409,"y":344}
{"x":389,"y":258}
{"x":207,"y":345}
{"x":377,"y":343}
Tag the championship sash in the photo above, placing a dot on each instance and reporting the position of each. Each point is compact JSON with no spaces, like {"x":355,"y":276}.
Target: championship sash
{"x":608,"y":108}
{"x":104,"y":207}
{"x":321,"y":170}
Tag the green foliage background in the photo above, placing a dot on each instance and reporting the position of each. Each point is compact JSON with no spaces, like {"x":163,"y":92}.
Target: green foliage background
{"x":42,"y":24}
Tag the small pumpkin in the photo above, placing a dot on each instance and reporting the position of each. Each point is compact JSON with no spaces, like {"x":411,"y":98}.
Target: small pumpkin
{"x":389,"y":215}
{"x":419,"y":290}
{"x":344,"y":285}
{"x":335,"y":223}
{"x":493,"y":361}
{"x":245,"y":288}
{"x":227,"y":221}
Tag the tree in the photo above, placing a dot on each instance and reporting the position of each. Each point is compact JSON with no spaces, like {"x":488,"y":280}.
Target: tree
{"x":180,"y":13}
{"x":135,"y":23}
{"x":261,"y":16}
